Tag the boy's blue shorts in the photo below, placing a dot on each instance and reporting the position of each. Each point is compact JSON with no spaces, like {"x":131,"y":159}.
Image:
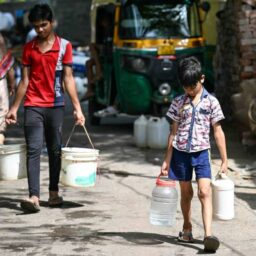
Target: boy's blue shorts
{"x":183,"y":163}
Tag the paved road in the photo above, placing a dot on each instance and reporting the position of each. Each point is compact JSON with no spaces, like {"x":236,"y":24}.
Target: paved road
{"x":111,"y":218}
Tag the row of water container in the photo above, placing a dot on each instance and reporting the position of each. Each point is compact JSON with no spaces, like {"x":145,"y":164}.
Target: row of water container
{"x":152,"y":132}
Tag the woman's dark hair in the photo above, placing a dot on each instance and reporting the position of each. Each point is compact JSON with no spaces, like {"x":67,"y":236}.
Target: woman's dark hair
{"x":40,"y":12}
{"x":189,"y":71}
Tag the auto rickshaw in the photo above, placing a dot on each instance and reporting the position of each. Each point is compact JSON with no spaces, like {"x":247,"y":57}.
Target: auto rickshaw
{"x":146,"y":39}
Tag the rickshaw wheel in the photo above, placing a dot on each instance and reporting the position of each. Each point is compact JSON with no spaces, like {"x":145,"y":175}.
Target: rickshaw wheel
{"x":93,"y":106}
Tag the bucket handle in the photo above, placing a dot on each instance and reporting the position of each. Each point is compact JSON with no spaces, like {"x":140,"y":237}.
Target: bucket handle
{"x":85,"y":133}
{"x":221,"y":175}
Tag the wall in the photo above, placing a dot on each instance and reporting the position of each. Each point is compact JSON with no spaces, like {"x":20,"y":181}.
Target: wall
{"x":235,"y":62}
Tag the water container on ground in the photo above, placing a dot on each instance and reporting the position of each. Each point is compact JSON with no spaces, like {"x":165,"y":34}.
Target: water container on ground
{"x":156,"y":133}
{"x":223,"y":197}
{"x":140,"y":131}
{"x":164,"y":203}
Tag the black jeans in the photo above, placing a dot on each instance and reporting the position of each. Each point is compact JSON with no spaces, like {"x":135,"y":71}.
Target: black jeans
{"x":40,"y":122}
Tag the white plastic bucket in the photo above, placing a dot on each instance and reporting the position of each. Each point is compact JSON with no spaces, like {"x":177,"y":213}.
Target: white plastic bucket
{"x":13,"y":162}
{"x":79,"y":166}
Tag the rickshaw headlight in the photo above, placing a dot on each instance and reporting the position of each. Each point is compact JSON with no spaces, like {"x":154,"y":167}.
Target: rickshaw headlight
{"x":138,"y":64}
{"x":135,"y":63}
{"x":164,"y":89}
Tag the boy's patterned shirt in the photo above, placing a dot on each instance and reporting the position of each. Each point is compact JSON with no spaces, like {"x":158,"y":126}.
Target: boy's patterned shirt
{"x":194,"y":121}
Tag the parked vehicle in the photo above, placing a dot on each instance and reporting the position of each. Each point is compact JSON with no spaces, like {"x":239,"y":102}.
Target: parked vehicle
{"x":139,"y":59}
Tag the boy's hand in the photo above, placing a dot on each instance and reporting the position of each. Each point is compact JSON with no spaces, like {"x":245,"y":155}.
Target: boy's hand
{"x":79,"y":118}
{"x":224,"y":168}
{"x":165,"y":169}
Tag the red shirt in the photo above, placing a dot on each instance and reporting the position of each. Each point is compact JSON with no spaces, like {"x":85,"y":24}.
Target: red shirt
{"x":45,"y":80}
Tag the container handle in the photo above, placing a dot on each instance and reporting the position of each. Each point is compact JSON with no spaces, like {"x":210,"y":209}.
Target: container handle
{"x":165,"y":183}
{"x":85,"y":133}
{"x":221,"y":175}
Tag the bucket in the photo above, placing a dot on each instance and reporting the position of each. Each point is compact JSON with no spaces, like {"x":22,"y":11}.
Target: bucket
{"x":13,"y":162}
{"x":79,"y":165}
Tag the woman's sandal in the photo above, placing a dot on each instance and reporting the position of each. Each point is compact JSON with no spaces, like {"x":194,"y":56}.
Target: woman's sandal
{"x":185,"y":237}
{"x":55,"y":201}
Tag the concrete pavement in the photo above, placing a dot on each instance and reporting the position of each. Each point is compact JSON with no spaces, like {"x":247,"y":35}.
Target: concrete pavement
{"x":111,"y":218}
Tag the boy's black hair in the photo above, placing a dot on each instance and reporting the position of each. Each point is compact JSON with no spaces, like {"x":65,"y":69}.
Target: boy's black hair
{"x":40,"y":12}
{"x":189,"y":71}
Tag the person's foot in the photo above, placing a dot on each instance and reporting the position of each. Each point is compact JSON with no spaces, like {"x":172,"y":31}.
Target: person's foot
{"x":109,"y":111}
{"x":30,"y":204}
{"x":211,"y":244}
{"x":186,"y":237}
{"x":54,"y":199}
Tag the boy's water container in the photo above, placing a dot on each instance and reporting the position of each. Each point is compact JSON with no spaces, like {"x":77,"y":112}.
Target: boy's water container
{"x":164,"y":203}
{"x":140,"y":131}
{"x":223,"y":197}
{"x":157,"y":132}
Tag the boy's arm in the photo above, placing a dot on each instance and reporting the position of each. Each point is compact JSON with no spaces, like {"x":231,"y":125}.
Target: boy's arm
{"x":221,"y":144}
{"x":168,"y":156}
{"x":70,"y":87}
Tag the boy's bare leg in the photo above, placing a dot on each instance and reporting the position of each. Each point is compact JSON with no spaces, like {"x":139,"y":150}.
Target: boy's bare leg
{"x":205,"y":197}
{"x":186,"y":192}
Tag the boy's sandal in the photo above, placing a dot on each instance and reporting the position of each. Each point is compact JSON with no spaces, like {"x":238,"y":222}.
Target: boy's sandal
{"x":55,"y":201}
{"x":211,"y":244}
{"x":186,"y":237}
{"x":27,"y":205}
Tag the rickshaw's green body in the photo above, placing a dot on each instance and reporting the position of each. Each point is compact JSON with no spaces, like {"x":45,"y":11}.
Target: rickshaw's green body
{"x":134,"y":91}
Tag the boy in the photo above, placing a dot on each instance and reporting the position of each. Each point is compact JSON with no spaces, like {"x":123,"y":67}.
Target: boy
{"x":188,"y":146}
{"x":47,"y":66}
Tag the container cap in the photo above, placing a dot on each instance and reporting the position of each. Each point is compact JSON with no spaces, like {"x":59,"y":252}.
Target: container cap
{"x":165,"y":182}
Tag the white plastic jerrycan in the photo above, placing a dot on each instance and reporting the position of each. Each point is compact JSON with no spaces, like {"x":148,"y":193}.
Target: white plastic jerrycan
{"x":140,"y":131}
{"x":157,"y":132}
{"x":223,"y":197}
